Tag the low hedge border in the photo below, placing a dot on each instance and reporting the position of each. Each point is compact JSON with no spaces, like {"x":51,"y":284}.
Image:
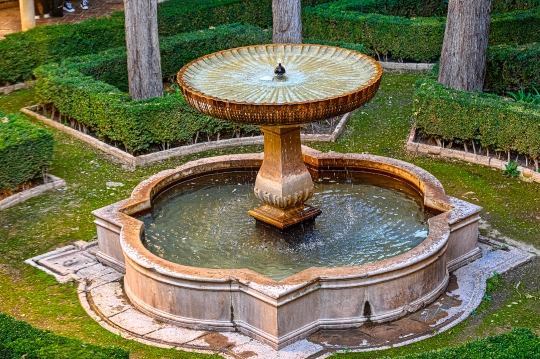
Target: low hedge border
{"x":25,"y":149}
{"x":496,"y":123}
{"x":416,"y":39}
{"x":71,"y":89}
{"x":22,"y":52}
{"x":21,"y":340}
{"x":423,"y":8}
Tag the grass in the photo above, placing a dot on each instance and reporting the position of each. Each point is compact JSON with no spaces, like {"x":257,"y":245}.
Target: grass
{"x":511,"y":207}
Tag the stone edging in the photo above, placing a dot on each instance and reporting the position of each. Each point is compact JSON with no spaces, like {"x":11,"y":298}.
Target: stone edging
{"x":410,"y":66}
{"x":421,"y":148}
{"x":51,"y":182}
{"x":135,"y":161}
{"x":16,"y":87}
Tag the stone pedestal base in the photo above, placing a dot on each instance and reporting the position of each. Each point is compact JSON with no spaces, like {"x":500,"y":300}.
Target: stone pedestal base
{"x":283,"y":182}
{"x":283,"y":218}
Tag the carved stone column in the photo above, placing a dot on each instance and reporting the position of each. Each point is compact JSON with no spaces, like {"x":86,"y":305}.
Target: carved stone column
{"x":283,"y":182}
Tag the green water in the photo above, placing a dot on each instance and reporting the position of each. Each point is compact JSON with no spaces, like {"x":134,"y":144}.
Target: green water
{"x":204,"y":223}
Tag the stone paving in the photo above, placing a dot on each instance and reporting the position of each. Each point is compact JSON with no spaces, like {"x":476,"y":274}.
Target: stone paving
{"x":10,"y":19}
{"x":102,"y":296}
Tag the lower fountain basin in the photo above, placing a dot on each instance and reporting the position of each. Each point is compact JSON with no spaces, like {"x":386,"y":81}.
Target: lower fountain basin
{"x":282,"y":312}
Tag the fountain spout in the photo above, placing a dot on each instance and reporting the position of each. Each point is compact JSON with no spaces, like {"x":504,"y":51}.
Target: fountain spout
{"x":279,"y":70}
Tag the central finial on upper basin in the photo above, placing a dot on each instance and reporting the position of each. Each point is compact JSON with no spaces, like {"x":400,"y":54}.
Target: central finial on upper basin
{"x":279,"y":70}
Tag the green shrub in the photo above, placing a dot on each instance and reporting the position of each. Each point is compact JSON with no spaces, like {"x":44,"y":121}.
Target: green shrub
{"x":110,"y":66}
{"x":20,"y":340}
{"x":418,"y":39}
{"x":423,"y":8}
{"x":139,"y":126}
{"x":520,"y":343}
{"x":497,"y":123}
{"x":24,"y":150}
{"x":512,"y":67}
{"x":22,"y":52}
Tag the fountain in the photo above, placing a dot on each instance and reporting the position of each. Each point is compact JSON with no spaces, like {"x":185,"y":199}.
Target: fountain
{"x":344,"y":283}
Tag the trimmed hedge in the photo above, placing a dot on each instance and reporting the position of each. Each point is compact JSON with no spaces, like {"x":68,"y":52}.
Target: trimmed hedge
{"x":511,"y":67}
{"x":22,"y":52}
{"x":423,"y":8}
{"x":417,"y":39}
{"x":139,"y":125}
{"x":495,"y":122}
{"x":520,"y":343}
{"x":21,"y":340}
{"x":24,"y":150}
{"x":88,"y":89}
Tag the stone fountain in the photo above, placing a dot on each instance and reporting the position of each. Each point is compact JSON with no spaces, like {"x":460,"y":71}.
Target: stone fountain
{"x":319,"y":82}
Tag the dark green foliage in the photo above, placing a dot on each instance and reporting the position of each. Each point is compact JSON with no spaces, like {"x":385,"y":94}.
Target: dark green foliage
{"x":22,"y":52}
{"x":511,"y":170}
{"x":137,"y":126}
{"x":24,"y":150}
{"x":495,"y":122}
{"x":511,"y":67}
{"x":426,"y":8}
{"x":520,"y":343}
{"x":20,"y":340}
{"x":418,"y":39}
{"x":110,"y":66}
{"x":346,"y":45}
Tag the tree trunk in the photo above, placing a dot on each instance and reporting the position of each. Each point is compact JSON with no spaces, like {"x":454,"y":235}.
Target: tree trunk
{"x":287,"y":22}
{"x":463,"y":57}
{"x":144,"y":63}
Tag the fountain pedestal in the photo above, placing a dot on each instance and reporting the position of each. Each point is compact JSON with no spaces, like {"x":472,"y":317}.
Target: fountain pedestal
{"x":283,"y":182}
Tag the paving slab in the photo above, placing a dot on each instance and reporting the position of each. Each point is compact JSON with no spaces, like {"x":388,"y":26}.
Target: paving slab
{"x":173,"y":334}
{"x":110,"y":299}
{"x":135,"y":322}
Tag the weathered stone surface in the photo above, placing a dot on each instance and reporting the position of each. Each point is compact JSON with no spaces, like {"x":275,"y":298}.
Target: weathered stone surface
{"x":110,"y":299}
{"x":134,"y":321}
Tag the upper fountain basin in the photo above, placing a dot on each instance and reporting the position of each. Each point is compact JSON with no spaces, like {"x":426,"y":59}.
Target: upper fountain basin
{"x":320,"y":82}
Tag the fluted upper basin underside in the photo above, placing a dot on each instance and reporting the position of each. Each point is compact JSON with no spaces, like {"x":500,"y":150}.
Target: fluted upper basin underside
{"x":320,"y":82}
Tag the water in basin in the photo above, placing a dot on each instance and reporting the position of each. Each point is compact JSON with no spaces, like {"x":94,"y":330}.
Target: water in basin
{"x":203,"y":222}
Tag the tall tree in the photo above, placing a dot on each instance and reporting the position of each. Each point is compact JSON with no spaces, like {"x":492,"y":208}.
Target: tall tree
{"x":144,"y":62}
{"x":463,"y":56}
{"x":287,"y":22}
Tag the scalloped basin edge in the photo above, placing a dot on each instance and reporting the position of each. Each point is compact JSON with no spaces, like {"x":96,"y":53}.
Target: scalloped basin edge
{"x":276,"y":312}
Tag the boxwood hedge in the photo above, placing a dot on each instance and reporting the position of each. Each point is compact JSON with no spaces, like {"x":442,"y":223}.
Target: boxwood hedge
{"x":20,"y":340}
{"x":88,"y":89}
{"x":21,"y":53}
{"x":425,"y":8}
{"x":24,"y":150}
{"x":417,"y":39}
{"x":495,"y":122}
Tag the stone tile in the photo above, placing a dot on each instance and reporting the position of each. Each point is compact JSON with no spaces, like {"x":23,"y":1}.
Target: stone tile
{"x":68,"y":262}
{"x":110,"y":299}
{"x":175,"y":335}
{"x":135,"y":322}
{"x":256,"y":350}
{"x":221,"y":340}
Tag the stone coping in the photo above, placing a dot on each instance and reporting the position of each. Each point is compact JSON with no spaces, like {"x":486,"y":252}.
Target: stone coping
{"x":51,"y":182}
{"x":432,"y":190}
{"x":416,"y":147}
{"x":101,"y":295}
{"x":273,"y":311}
{"x":134,"y":161}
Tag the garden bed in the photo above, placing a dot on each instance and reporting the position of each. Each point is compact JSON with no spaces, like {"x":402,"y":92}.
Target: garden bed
{"x":417,"y":144}
{"x":323,"y":131}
